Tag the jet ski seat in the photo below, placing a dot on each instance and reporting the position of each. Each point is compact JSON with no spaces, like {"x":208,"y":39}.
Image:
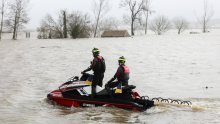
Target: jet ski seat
{"x":124,"y":88}
{"x":128,"y":87}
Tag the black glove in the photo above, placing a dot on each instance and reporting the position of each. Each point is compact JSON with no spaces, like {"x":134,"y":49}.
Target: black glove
{"x":108,"y":82}
{"x":106,"y":85}
{"x":82,"y":72}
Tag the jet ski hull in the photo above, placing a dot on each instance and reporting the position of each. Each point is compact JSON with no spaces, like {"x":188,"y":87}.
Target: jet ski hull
{"x":77,"y":101}
{"x":77,"y":93}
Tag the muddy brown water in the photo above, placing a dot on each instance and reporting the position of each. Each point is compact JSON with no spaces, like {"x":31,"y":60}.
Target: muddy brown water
{"x":178,"y":67}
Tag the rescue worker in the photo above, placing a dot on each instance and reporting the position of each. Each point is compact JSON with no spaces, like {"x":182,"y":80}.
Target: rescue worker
{"x":98,"y":67}
{"x":122,"y":75}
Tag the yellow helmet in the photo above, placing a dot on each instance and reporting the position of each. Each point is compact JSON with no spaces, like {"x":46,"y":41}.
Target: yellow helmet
{"x":95,"y":51}
{"x":121,"y":60}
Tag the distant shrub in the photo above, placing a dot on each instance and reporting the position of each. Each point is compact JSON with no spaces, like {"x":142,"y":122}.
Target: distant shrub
{"x":50,"y":29}
{"x":180,"y":24}
{"x":160,"y":25}
{"x":78,"y":25}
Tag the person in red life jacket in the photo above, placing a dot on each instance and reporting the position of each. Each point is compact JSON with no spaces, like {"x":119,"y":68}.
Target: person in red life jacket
{"x":122,"y":75}
{"x":98,"y":67}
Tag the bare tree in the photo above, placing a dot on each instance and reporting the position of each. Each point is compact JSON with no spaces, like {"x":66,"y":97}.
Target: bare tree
{"x":59,"y":26}
{"x":147,"y":12}
{"x":100,"y":8}
{"x":43,"y":31}
{"x":78,"y":25}
{"x":17,"y":16}
{"x":47,"y":27}
{"x":2,"y":16}
{"x":64,"y":23}
{"x":160,"y":25}
{"x":109,"y":24}
{"x":180,"y":24}
{"x":135,"y":7}
{"x":138,"y":24}
{"x":50,"y":28}
{"x":206,"y":17}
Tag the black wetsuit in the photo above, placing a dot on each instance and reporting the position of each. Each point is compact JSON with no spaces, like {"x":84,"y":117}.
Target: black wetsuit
{"x":122,"y":76}
{"x":98,"y":67}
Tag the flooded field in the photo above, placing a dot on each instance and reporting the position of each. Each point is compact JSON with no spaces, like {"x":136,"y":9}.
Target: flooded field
{"x":169,"y":66}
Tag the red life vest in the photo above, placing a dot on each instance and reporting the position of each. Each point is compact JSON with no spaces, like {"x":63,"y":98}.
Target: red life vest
{"x":126,"y":69}
{"x":100,"y":58}
{"x":123,"y":75}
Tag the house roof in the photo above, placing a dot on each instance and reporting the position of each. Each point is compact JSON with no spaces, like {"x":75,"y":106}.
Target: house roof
{"x":115,"y":33}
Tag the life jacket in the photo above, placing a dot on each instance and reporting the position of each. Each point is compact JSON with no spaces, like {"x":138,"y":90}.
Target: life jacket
{"x":124,"y":74}
{"x":99,"y":67}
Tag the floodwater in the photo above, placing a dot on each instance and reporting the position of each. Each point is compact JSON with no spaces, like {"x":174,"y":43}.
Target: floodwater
{"x":169,"y":66}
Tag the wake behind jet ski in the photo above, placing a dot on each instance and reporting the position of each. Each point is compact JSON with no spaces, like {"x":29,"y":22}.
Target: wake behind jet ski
{"x":77,"y":92}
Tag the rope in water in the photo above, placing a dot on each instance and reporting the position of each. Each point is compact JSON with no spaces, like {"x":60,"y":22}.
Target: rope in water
{"x":160,"y":99}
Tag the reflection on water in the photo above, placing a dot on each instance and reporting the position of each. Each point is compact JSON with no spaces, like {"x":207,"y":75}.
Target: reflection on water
{"x":167,"y":66}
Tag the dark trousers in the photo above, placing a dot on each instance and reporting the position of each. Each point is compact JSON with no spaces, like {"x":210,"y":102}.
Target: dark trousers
{"x":97,"y":80}
{"x":116,"y":83}
{"x":113,"y":85}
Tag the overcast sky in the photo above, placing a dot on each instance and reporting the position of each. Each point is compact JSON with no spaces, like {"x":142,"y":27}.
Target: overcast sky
{"x":171,"y":8}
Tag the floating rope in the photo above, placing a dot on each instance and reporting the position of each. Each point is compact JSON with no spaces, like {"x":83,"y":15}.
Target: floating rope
{"x":162,"y":100}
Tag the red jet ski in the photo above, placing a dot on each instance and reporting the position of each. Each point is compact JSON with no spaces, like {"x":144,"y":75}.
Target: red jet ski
{"x":77,"y":93}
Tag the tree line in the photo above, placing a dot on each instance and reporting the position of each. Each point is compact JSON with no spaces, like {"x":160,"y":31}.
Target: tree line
{"x":77,"y":24}
{"x":13,"y":16}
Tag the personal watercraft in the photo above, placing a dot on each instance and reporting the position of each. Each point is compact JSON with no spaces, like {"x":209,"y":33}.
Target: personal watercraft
{"x":76,"y":92}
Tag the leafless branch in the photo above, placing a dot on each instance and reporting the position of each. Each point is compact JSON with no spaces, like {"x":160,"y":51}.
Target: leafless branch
{"x":147,"y":9}
{"x":204,"y":20}
{"x":3,"y":4}
{"x":100,"y":7}
{"x":180,"y":24}
{"x":160,"y":25}
{"x":135,"y":7}
{"x":17,"y":16}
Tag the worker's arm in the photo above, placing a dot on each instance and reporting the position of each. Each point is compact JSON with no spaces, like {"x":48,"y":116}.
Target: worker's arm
{"x":91,"y":66}
{"x":115,"y":76}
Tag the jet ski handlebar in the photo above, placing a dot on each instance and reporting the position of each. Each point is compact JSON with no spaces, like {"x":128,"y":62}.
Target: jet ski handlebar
{"x":69,"y":81}
{"x":84,"y":77}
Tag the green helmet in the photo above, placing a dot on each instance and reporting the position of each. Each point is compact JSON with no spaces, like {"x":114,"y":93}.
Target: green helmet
{"x":121,"y":60}
{"x":95,"y":51}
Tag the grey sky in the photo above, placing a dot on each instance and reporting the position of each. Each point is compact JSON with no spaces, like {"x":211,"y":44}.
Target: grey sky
{"x":171,"y":8}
